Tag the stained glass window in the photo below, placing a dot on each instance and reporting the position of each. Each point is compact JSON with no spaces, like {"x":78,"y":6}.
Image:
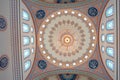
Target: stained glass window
{"x":26,"y":40}
{"x":110,"y":38}
{"x":110,"y":64}
{"x":26,"y":53}
{"x":25,"y":15}
{"x":110,"y":51}
{"x":26,"y":28}
{"x":27,"y":65}
{"x":110,"y":25}
{"x":109,"y":11}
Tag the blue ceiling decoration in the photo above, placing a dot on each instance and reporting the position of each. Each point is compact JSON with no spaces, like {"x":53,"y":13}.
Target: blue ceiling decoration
{"x":93,"y":64}
{"x":40,"y":14}
{"x":72,"y":0}
{"x":67,"y":76}
{"x":42,"y":64}
{"x":92,"y":11}
{"x":59,"y":1}
{"x":2,"y":23}
{"x":3,"y":62}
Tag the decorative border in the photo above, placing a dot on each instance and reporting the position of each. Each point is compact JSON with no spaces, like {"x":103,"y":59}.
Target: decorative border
{"x":15,"y":30}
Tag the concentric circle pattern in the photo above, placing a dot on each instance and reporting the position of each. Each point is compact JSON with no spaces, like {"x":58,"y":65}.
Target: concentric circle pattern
{"x":67,"y":38}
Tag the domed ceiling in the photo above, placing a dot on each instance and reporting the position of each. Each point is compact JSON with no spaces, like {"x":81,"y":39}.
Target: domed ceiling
{"x":67,"y":40}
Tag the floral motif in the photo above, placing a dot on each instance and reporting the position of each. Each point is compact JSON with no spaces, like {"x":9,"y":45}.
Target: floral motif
{"x":92,"y":11}
{"x":2,"y":23}
{"x":3,"y":62}
{"x":42,"y":64}
{"x":93,"y":64}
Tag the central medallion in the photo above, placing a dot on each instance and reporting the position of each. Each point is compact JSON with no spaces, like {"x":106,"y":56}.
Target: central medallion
{"x":67,"y":38}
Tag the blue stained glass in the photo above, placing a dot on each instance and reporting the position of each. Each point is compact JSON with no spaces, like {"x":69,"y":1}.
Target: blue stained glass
{"x":110,"y":25}
{"x":110,"y":64}
{"x":110,"y":51}
{"x":25,"y":15}
{"x":109,"y":11}
{"x":26,"y":53}
{"x":26,"y":28}
{"x":26,"y":40}
{"x":27,"y":65}
{"x":110,"y":38}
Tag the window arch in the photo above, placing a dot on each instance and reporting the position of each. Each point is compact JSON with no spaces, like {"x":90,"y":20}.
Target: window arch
{"x":110,"y":25}
{"x":26,"y":40}
{"x":25,"y":28}
{"x":27,"y":65}
{"x":110,"y":38}
{"x":25,"y":15}
{"x":110,"y":51}
{"x":109,"y":11}
{"x":26,"y":52}
{"x":110,"y":64}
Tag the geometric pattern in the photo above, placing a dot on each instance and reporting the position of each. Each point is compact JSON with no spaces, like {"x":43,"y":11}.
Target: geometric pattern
{"x":93,"y":64}
{"x":40,"y":14}
{"x":67,"y":38}
{"x":92,"y":11}
{"x":42,"y":64}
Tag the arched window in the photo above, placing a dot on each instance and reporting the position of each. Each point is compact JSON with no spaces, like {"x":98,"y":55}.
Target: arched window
{"x":110,"y":38}
{"x":110,"y":64}
{"x":26,"y":53}
{"x":26,"y":28}
{"x":25,"y":15}
{"x":109,"y":11}
{"x":26,"y":40}
{"x":27,"y":65}
{"x":110,"y":25}
{"x":110,"y":51}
